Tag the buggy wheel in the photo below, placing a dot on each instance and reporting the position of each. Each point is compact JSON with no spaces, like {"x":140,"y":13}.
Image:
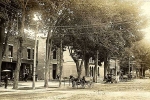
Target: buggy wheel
{"x":90,"y":84}
{"x":73,"y":84}
{"x":82,"y":84}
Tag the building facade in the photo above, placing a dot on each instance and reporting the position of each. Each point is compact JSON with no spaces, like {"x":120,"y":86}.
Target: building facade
{"x":114,"y":66}
{"x":92,"y":67}
{"x":10,"y":59}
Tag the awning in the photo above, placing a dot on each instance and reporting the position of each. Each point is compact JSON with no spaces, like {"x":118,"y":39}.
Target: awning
{"x":6,"y":70}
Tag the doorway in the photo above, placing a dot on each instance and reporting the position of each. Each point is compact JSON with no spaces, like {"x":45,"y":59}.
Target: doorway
{"x":54,"y":71}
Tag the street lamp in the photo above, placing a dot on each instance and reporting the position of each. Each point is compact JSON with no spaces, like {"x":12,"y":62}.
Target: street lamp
{"x":35,"y":51}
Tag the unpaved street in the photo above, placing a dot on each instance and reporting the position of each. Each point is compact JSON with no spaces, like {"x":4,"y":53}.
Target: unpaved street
{"x":138,"y":89}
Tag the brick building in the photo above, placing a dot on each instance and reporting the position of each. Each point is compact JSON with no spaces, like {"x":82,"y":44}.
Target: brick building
{"x":10,"y":59}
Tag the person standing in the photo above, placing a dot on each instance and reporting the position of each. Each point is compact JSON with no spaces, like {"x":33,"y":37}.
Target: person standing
{"x":26,"y":77}
{"x":6,"y":81}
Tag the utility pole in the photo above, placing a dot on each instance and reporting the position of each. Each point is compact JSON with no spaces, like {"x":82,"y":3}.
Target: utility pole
{"x":116,"y":68}
{"x":129,"y":66}
{"x":60,"y":61}
{"x":34,"y":66}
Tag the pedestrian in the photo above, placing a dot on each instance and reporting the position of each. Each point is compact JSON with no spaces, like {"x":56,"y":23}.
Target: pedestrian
{"x":36,"y":77}
{"x":58,"y":76}
{"x":6,"y":81}
{"x":118,"y":74}
{"x":26,"y":77}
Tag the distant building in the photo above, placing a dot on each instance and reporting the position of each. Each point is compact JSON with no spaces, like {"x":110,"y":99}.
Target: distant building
{"x":69,"y":66}
{"x":100,"y":70}
{"x":114,"y":66}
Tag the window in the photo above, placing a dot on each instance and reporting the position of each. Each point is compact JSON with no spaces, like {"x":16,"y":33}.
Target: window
{"x":28,"y":53}
{"x":33,"y":54}
{"x":92,"y":71}
{"x":54,"y":54}
{"x":91,"y":60}
{"x":10,"y":51}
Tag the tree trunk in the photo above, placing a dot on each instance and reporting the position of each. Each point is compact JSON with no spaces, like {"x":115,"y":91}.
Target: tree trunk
{"x":77,"y":61}
{"x":86,"y":65}
{"x":46,"y":67}
{"x":105,"y":66}
{"x":48,"y":55}
{"x":46,"y":74}
{"x":95,"y":68}
{"x":2,"y":30}
{"x":60,"y":62}
{"x":79,"y":67}
{"x":20,"y":47}
{"x":17,"y":69}
{"x":144,"y":72}
{"x":1,"y":58}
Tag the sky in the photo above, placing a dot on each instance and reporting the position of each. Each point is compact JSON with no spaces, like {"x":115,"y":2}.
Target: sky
{"x":146,"y":11}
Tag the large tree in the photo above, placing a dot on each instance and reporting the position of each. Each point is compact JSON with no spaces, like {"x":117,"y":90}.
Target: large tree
{"x":52,"y":12}
{"x":8,"y":24}
{"x":96,"y":25}
{"x":109,"y":26}
{"x":20,"y":43}
{"x":141,"y":52}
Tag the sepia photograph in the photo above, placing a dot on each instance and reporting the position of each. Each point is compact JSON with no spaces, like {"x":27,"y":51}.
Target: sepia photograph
{"x":74,"y":49}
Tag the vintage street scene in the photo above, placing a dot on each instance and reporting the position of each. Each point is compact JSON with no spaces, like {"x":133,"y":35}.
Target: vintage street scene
{"x":74,"y":50}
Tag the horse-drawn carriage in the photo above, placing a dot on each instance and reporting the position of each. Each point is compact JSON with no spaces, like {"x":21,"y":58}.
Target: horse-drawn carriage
{"x":110,"y":78}
{"x":81,"y":82}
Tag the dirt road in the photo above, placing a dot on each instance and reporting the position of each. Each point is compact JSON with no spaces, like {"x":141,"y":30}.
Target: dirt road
{"x":138,"y":89}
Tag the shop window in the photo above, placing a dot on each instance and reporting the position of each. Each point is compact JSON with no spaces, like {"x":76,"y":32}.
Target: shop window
{"x":10,"y":50}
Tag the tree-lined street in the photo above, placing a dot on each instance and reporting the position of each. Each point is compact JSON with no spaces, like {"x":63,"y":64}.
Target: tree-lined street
{"x":105,"y":40}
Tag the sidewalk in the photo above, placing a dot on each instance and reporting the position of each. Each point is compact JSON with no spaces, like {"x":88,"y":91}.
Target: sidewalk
{"x":26,"y":87}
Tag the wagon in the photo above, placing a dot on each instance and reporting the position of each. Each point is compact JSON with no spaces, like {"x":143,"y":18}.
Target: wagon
{"x":110,"y":78}
{"x":83,"y":82}
{"x":89,"y":82}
